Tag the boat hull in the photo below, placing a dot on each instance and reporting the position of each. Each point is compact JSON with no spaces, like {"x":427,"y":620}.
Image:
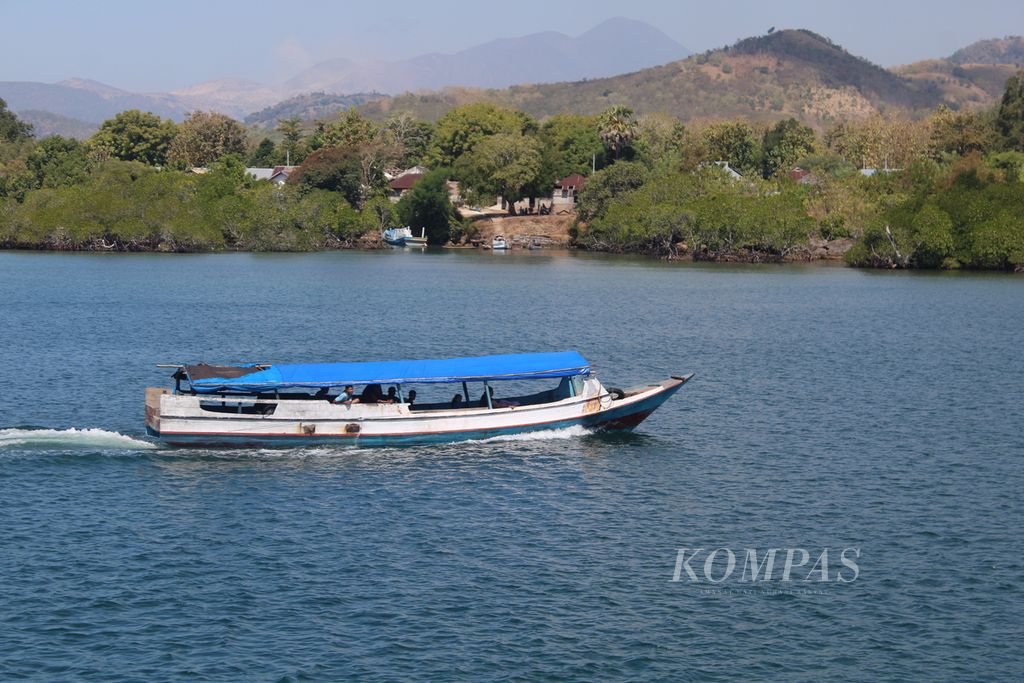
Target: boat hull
{"x":619,"y":415}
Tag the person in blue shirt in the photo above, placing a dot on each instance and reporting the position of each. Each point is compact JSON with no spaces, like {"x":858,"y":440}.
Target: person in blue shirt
{"x":347,"y":397}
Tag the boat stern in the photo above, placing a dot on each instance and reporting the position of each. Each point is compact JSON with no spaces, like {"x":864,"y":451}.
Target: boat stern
{"x":153,"y":398}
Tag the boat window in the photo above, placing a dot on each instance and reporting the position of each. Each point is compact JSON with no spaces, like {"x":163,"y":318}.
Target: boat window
{"x":514,"y":393}
{"x":238,"y":408}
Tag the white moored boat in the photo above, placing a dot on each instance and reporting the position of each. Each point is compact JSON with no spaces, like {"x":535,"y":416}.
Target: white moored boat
{"x":499,"y":243}
{"x":403,"y":237}
{"x":271,"y":405}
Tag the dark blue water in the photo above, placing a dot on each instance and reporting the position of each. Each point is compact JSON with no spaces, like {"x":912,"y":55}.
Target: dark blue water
{"x":832,"y":409}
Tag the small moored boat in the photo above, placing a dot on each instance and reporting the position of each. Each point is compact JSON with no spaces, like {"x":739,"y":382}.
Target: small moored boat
{"x":499,"y":243}
{"x":256,"y":405}
{"x":396,"y":237}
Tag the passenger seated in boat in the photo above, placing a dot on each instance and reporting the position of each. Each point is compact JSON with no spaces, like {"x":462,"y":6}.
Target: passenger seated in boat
{"x":411,"y":398}
{"x":496,"y":402}
{"x":392,"y":396}
{"x":372,"y":394}
{"x":347,"y":397}
{"x":457,"y":401}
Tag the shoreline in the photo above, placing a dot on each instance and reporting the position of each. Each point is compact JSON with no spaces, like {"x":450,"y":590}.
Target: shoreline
{"x":682,"y":260}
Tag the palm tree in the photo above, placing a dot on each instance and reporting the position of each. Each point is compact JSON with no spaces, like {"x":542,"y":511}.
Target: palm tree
{"x":617,"y":127}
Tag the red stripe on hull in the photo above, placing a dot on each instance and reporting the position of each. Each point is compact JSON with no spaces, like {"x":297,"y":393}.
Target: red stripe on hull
{"x":627,"y":422}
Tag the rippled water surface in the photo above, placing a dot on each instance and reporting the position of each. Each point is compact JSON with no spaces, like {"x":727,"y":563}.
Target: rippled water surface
{"x":832,"y":408}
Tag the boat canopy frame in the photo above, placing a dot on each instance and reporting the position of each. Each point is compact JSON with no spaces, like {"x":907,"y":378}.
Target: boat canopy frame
{"x":255,"y":378}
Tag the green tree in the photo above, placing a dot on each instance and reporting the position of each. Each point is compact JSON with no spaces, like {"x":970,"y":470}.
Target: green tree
{"x":291,"y":129}
{"x":733,"y":142}
{"x":135,"y":135}
{"x":607,"y":185}
{"x":12,"y":129}
{"x":503,"y":164}
{"x":569,"y":144}
{"x":265,"y":155}
{"x":337,"y":169}
{"x":226,"y":176}
{"x":783,"y":144}
{"x":617,"y":127}
{"x":204,"y":137}
{"x":427,"y":205}
{"x":462,"y":128}
{"x":959,"y":132}
{"x":1010,"y":117}
{"x":660,"y":138}
{"x":830,"y":165}
{"x":378,"y":214}
{"x":351,"y":129}
{"x":58,"y":162}
{"x":1010,"y":163}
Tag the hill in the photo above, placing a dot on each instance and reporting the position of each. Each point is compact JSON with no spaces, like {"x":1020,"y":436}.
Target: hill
{"x":787,"y":73}
{"x":85,"y":100}
{"x":969,"y":86}
{"x":45,"y":124}
{"x":317,"y":105}
{"x":1008,"y":50}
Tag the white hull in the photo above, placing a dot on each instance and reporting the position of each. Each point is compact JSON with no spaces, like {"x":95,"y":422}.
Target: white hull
{"x":186,"y":419}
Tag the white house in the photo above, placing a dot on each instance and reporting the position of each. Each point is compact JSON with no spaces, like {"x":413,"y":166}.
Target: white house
{"x":567,"y":189}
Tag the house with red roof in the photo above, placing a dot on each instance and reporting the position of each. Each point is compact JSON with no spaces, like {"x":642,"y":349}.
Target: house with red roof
{"x":567,"y":189}
{"x":402,"y":184}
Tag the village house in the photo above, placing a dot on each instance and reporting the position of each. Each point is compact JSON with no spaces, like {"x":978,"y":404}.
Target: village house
{"x":277,"y":175}
{"x":802,"y":176}
{"x":567,"y":190}
{"x":258,"y":173}
{"x":402,"y":184}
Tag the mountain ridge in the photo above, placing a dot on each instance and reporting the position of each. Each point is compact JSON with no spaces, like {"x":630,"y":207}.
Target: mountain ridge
{"x":1008,"y":50}
{"x":788,"y":73}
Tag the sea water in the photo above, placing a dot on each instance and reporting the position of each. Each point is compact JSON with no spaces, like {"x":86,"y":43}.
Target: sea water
{"x":874,"y":416}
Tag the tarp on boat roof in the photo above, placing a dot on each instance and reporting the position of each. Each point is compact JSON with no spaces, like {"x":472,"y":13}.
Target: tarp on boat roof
{"x":319,"y":375}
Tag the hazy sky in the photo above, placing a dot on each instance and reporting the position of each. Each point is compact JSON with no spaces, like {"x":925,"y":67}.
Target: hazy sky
{"x":140,"y":45}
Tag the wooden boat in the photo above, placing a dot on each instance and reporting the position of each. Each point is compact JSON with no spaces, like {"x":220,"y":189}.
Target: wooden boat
{"x":257,"y":405}
{"x":499,"y":243}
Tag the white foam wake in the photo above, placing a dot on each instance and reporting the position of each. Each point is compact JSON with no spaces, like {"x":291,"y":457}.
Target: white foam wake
{"x":573,"y":432}
{"x":70,"y":438}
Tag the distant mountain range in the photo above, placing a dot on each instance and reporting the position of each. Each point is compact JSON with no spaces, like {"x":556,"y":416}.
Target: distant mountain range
{"x":787,"y":73}
{"x":613,"y":47}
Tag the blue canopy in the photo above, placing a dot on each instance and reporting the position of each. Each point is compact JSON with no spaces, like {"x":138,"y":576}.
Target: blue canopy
{"x":253,"y":378}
